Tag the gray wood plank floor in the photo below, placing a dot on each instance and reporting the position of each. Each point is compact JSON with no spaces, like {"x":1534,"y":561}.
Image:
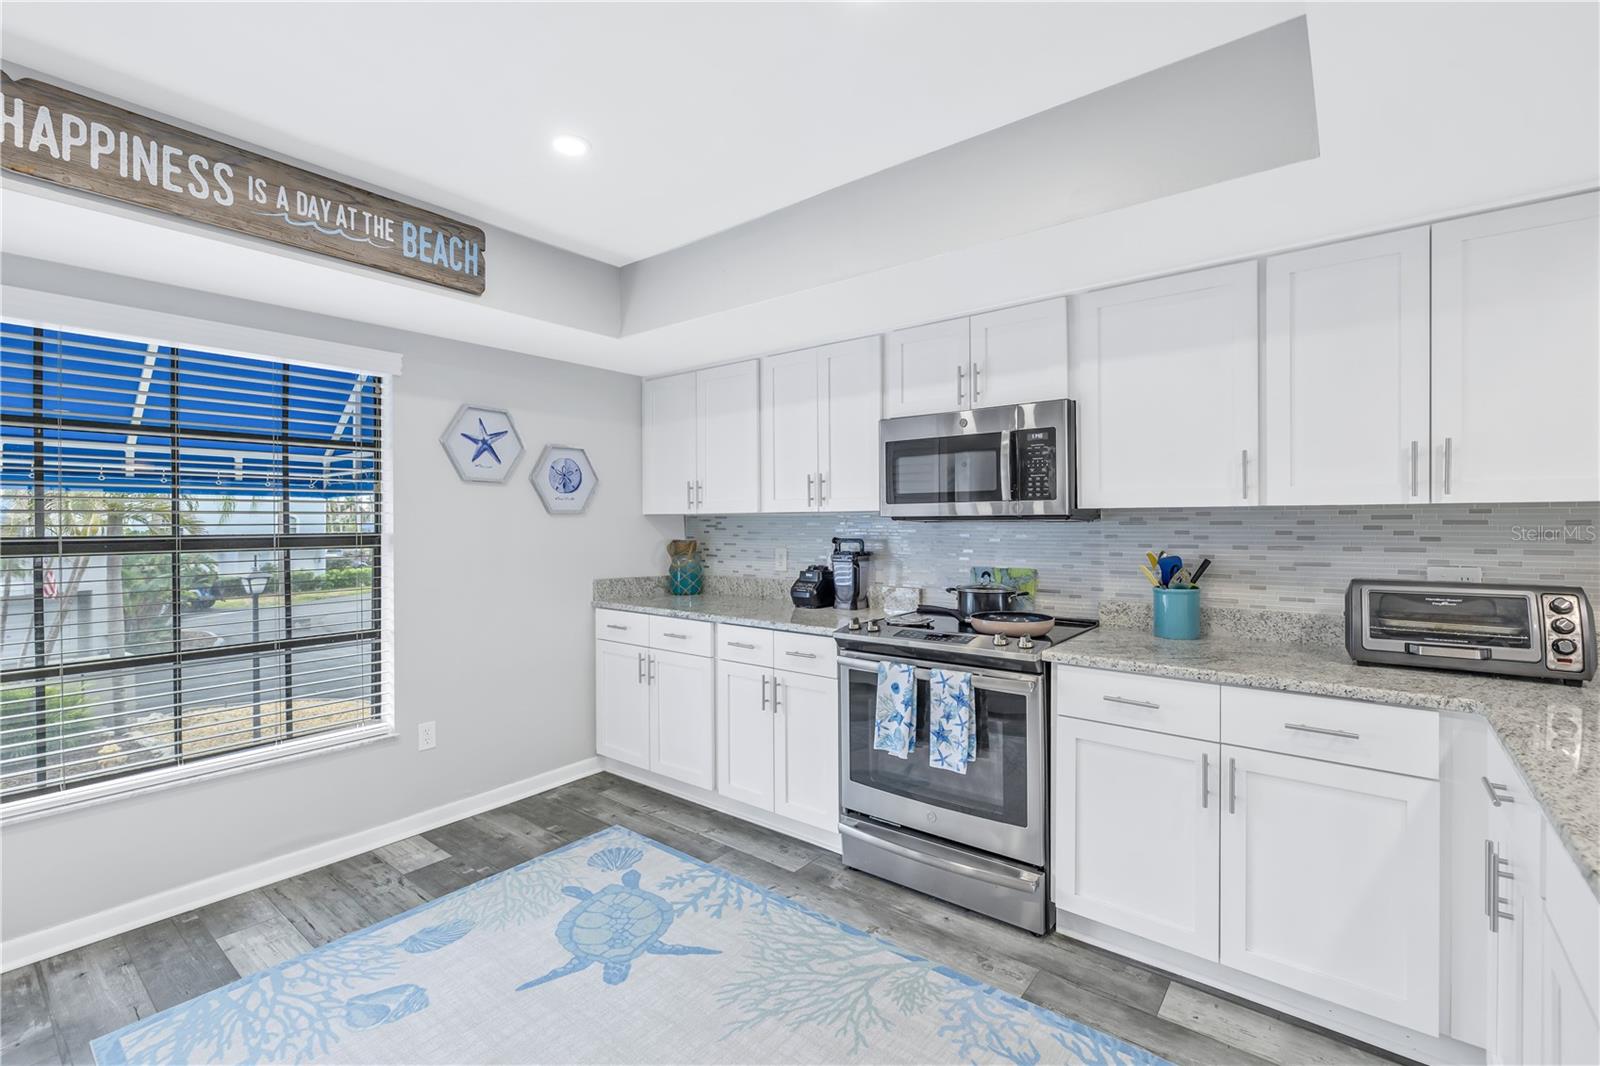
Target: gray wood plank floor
{"x":49,"y":1011}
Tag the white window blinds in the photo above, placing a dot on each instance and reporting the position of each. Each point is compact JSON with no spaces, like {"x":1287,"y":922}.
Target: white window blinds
{"x":193,"y":556}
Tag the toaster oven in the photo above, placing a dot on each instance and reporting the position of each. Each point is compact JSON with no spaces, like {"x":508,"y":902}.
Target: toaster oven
{"x":1544,"y":631}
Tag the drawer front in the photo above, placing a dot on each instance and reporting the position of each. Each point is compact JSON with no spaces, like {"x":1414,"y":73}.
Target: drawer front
{"x":804,"y":654}
{"x":680,"y":634}
{"x":1573,"y":914}
{"x":1401,"y":740}
{"x":1160,"y":704}
{"x":622,"y":627}
{"x":744,"y":644}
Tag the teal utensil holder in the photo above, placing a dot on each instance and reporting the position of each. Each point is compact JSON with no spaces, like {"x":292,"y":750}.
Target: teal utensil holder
{"x":1177,"y":614}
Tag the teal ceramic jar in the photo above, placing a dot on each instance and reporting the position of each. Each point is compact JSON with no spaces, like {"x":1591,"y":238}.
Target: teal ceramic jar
{"x":686,"y":574}
{"x":1177,"y":614}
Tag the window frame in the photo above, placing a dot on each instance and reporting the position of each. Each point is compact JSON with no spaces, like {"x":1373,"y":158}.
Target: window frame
{"x":382,"y":368}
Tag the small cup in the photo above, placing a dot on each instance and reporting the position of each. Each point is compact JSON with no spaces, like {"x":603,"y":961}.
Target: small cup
{"x":1177,"y":613}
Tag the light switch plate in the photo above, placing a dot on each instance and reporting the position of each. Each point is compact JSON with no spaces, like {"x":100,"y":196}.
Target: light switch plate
{"x":1466,"y":575}
{"x":425,"y":736}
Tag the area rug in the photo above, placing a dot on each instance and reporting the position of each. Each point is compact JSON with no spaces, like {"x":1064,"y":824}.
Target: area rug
{"x":613,"y":949}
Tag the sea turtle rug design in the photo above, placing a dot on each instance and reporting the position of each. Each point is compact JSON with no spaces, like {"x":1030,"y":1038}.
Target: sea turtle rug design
{"x":613,"y":927}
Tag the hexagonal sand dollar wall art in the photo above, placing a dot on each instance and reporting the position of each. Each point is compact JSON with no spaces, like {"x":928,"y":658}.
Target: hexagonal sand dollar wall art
{"x":482,"y":444}
{"x":564,"y":479}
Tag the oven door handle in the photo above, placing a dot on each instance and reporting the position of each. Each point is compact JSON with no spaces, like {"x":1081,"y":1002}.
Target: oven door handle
{"x":1025,"y":881}
{"x":1017,"y":686}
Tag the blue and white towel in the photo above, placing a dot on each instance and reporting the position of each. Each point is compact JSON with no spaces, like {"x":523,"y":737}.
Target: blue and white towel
{"x":952,"y":725}
{"x":894,"y":727}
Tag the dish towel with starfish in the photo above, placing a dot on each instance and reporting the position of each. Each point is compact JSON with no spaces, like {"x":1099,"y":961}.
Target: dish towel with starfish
{"x":952,"y":725}
{"x":894,"y":726}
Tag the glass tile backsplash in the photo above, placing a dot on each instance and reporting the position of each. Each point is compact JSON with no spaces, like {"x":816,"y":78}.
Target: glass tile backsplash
{"x":1282,"y":558}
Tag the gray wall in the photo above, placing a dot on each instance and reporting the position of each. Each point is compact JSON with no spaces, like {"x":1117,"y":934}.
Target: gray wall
{"x":1282,"y":558}
{"x":492,"y":628}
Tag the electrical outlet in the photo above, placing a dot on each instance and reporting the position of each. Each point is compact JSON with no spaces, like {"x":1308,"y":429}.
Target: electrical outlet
{"x":425,"y":737}
{"x":1466,"y":575}
{"x":780,"y":560}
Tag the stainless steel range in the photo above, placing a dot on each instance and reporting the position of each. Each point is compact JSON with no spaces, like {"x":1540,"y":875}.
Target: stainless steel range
{"x":978,"y":839}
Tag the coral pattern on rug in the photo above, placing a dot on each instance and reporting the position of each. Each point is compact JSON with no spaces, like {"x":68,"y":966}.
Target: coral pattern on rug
{"x":505,"y":970}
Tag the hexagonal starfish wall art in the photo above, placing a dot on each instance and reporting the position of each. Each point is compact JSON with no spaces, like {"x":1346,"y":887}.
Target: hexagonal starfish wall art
{"x":483,"y":444}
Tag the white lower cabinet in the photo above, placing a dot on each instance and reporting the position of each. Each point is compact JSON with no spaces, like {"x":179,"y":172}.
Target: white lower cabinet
{"x":1136,"y":826}
{"x":683,"y":739}
{"x":1569,"y":1032}
{"x":622,"y":702}
{"x":745,"y":729}
{"x":1330,"y":882}
{"x":805,"y":754}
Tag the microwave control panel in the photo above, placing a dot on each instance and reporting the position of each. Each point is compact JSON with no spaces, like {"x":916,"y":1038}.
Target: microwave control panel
{"x":1034,"y":464}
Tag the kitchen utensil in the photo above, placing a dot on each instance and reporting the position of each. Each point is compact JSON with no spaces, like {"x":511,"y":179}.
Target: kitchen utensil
{"x":1170,"y":564}
{"x":972,"y":599}
{"x":1181,"y":580}
{"x":1194,"y":578}
{"x":1150,"y":574}
{"x":1012,"y":623}
{"x":1150,"y":557}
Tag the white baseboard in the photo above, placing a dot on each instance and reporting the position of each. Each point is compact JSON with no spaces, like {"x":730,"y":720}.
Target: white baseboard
{"x":31,"y":947}
{"x":822,"y":838}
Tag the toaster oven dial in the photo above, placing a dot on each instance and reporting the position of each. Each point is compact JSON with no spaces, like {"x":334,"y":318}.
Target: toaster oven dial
{"x":1563,"y":646}
{"x":1560,"y":605}
{"x":1563,"y":626}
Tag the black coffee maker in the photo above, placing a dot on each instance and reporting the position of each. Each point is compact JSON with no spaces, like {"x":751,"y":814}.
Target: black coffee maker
{"x":849,"y":560}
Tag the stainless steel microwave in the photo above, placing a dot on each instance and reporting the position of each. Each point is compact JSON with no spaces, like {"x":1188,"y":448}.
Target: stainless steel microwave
{"x":1544,"y":631}
{"x":992,"y":462}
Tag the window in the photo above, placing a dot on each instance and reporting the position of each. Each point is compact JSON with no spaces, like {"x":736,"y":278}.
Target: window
{"x":192,"y":557}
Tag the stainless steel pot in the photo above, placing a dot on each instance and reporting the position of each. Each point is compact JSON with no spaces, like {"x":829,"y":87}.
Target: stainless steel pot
{"x":975,"y":599}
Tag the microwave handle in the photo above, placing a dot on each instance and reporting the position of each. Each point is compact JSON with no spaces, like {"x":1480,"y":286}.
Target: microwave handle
{"x":1008,"y":473}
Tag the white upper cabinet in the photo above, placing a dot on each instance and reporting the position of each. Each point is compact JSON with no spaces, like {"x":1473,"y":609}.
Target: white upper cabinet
{"x":1165,"y":375}
{"x":701,"y":441}
{"x":927,"y":369}
{"x":1344,"y":368}
{"x":671,"y":444}
{"x":1516,"y":354}
{"x":819,"y":426}
{"x":1019,"y":354}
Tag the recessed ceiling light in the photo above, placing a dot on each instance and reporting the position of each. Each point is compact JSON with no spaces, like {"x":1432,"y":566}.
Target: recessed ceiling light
{"x":569,"y":144}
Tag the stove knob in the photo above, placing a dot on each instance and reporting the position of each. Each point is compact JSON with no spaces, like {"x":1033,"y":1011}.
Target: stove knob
{"x":1563,"y":625}
{"x":1561,"y":605}
{"x":1026,"y":643}
{"x":1563,"y":646}
{"x":872,"y":626}
{"x":855,"y":625}
{"x":1000,"y":641}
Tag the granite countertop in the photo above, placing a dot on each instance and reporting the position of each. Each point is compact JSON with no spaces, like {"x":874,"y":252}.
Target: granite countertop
{"x":767,"y":613}
{"x":1550,"y":730}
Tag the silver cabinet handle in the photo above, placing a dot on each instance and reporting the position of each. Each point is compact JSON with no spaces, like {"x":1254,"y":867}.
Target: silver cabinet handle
{"x":688,"y":489}
{"x":764,"y":680}
{"x":810,"y":480}
{"x":1413,"y":468}
{"x":1449,"y":447}
{"x":1494,"y":871}
{"x":641,"y":668}
{"x":741,"y":644}
{"x":802,"y":654}
{"x":1132,"y":703}
{"x":613,"y":625}
{"x":677,"y":636}
{"x":1205,"y":780}
{"x":699,"y":494}
{"x":651,"y":677}
{"x":1300,"y":728}
{"x":960,"y":383}
{"x":776,"y":706}
{"x":821,"y":483}
{"x":1494,"y":788}
{"x":1233,"y":788}
{"x":976,"y":388}
{"x":1244,"y":473}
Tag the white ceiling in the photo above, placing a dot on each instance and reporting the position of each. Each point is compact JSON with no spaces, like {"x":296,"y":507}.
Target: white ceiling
{"x":1424,"y":110}
{"x":701,"y":116}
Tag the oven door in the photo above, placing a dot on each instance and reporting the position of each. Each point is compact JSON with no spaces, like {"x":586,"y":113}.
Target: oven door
{"x":997,"y":806}
{"x":1468,"y":623}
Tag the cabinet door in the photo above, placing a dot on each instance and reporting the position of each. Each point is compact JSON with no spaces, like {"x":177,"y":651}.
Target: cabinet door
{"x":806,"y":755}
{"x":621,"y":703}
{"x":744,"y":733}
{"x":1516,"y":354}
{"x":1569,"y":1032}
{"x":670,"y":444}
{"x":1165,"y":375}
{"x":850,"y":382}
{"x":1512,"y":986}
{"x":683,"y":718}
{"x":1505,"y":992}
{"x":729,"y":481}
{"x":791,"y":414}
{"x":1136,"y":821}
{"x":926,"y":369}
{"x":1344,"y":367}
{"x":1330,"y":882}
{"x":1019,"y":354}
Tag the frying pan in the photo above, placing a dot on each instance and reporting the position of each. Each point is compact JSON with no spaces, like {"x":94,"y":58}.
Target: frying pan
{"x":1012,"y":623}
